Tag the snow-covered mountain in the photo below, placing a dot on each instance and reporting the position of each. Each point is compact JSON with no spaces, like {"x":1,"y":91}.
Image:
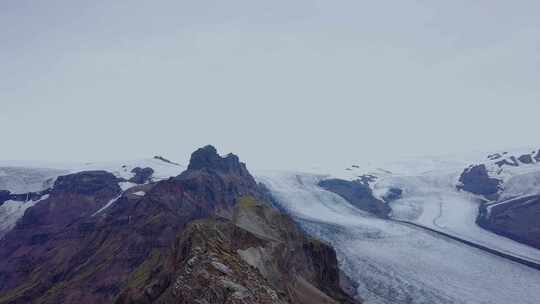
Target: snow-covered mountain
{"x":23,"y":184}
{"x":448,"y":230}
{"x":142,"y":232}
{"x":430,"y":249}
{"x":31,"y":176}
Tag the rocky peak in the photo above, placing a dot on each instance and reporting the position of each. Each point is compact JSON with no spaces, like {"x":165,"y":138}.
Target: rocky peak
{"x":207,"y":158}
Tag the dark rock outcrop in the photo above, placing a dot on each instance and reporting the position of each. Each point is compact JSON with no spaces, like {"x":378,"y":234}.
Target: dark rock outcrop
{"x":4,"y":196}
{"x":358,"y":194}
{"x":516,"y":219}
{"x":163,"y":159}
{"x":475,"y":179}
{"x":392,"y":194}
{"x":367,"y":178}
{"x":142,"y":175}
{"x":87,"y":183}
{"x":526,"y":159}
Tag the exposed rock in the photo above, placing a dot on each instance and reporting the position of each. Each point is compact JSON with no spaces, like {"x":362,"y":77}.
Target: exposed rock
{"x":267,"y":260}
{"x":163,"y":159}
{"x":516,"y":219}
{"x":358,"y":194}
{"x":203,"y":267}
{"x":87,"y":183}
{"x":367,"y":178}
{"x":348,"y":285}
{"x":512,"y":161}
{"x":526,"y":159}
{"x":207,"y":158}
{"x":537,"y":156}
{"x":494,"y":156}
{"x":142,"y":175}
{"x":140,"y":251}
{"x":4,"y":196}
{"x":392,"y":194}
{"x":475,"y":179}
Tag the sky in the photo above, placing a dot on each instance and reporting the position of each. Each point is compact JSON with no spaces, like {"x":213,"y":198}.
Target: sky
{"x":283,"y":84}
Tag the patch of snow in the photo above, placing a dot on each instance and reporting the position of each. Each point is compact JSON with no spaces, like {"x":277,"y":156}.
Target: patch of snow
{"x":12,"y":211}
{"x":162,"y":170}
{"x":521,"y":185}
{"x":139,"y":193}
{"x":112,"y":201}
{"x":126,"y":185}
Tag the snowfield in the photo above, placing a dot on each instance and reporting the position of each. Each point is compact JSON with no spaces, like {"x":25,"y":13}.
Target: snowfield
{"x":27,"y":179}
{"x":396,"y":263}
{"x":23,"y":177}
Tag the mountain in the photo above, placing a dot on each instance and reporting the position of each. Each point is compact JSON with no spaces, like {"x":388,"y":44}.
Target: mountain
{"x":452,"y":229}
{"x":126,"y":234}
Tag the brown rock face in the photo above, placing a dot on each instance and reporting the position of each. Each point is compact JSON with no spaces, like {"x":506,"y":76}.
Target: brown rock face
{"x":258,"y":257}
{"x":206,"y":236}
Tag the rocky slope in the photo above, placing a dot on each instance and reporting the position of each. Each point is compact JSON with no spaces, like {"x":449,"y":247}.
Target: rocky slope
{"x":510,"y":185}
{"x":358,"y":194}
{"x":208,"y":235}
{"x":517,"y":219}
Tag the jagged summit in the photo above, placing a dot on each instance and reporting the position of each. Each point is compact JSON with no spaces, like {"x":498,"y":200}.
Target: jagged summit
{"x":207,"y":158}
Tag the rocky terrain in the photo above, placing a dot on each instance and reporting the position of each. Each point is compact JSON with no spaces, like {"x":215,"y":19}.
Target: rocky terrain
{"x":517,"y":219}
{"x":208,"y":235}
{"x":510,"y":185}
{"x":154,"y":231}
{"x":359,"y":194}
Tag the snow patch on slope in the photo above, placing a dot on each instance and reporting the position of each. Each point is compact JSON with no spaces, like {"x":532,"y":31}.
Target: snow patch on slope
{"x":110,"y":203}
{"x":12,"y":211}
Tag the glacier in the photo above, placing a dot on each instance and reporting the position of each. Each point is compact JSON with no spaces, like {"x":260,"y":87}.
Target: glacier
{"x":396,"y":263}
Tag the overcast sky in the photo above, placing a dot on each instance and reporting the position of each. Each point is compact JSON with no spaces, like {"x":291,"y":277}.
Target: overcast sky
{"x":283,"y":84}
